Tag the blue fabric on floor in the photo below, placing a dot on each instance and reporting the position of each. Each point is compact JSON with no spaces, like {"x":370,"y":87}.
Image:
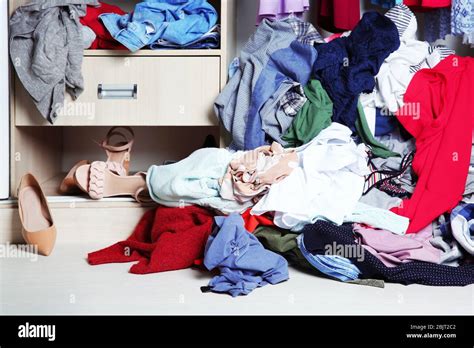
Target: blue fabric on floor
{"x":242,"y":260}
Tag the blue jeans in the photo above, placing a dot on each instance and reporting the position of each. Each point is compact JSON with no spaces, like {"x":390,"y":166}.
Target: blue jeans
{"x":332,"y":265}
{"x":177,"y":21}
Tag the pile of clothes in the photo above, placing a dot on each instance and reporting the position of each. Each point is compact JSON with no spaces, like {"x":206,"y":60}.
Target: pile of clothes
{"x":352,"y":158}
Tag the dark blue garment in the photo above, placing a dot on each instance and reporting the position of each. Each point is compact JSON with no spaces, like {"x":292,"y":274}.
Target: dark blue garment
{"x":242,"y":260}
{"x":384,"y":124}
{"x":321,"y":234}
{"x":288,"y":65}
{"x":346,"y":66}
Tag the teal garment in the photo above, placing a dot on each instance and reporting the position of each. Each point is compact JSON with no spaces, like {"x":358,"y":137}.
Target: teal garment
{"x":194,"y":180}
{"x":314,"y":116}
{"x":363,"y":130}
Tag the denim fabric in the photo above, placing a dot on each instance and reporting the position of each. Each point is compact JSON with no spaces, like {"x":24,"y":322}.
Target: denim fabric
{"x":209,"y":40}
{"x":332,"y":265}
{"x":177,"y":21}
{"x":243,"y":262}
{"x":323,"y":233}
{"x":285,"y":67}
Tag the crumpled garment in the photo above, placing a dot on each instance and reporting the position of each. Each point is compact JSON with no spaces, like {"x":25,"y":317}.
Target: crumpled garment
{"x":46,"y":49}
{"x":250,"y":175}
{"x":393,"y":250}
{"x":193,"y":180}
{"x":243,"y":262}
{"x":165,"y":239}
{"x":323,"y":233}
{"x":461,"y":226}
{"x":326,"y":185}
{"x":346,"y":66}
{"x":398,"y":69}
{"x":279,"y":9}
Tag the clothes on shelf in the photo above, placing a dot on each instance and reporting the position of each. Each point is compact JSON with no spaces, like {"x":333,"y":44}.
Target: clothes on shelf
{"x":92,"y":21}
{"x":435,"y":114}
{"x":243,"y":262}
{"x":179,"y":22}
{"x":462,"y":20}
{"x":46,"y":63}
{"x":338,"y":15}
{"x":165,"y":239}
{"x":209,"y":40}
{"x":279,"y":9}
{"x":386,"y":3}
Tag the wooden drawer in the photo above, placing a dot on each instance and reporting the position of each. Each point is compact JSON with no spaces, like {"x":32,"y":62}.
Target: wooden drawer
{"x":170,"y":91}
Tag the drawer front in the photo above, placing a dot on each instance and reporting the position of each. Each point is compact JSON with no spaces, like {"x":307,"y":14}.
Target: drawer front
{"x":140,"y":91}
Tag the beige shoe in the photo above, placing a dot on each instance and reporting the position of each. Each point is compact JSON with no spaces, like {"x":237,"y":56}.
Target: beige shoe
{"x":99,"y":182}
{"x":37,"y":223}
{"x":68,"y":185}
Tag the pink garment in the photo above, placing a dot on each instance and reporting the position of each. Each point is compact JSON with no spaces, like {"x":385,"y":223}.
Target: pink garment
{"x":278,"y":9}
{"x":394,"y":249}
{"x":250,"y":176}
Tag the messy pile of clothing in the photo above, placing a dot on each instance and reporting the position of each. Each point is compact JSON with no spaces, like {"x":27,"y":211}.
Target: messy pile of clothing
{"x":351,"y":157}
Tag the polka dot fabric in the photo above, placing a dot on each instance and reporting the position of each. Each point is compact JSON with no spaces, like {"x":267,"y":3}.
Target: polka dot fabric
{"x":319,"y":236}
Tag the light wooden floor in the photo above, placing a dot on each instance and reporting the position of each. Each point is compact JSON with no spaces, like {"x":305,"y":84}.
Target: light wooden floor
{"x":65,"y":284}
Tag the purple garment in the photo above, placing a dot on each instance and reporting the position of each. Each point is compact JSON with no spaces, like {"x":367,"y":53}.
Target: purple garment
{"x":278,"y":9}
{"x":394,"y":250}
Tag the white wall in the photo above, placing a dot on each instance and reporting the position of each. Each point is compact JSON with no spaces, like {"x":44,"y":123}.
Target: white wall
{"x":4,"y":105}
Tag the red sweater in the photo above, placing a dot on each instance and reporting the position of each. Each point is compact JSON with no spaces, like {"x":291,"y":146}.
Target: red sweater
{"x":439,"y":112}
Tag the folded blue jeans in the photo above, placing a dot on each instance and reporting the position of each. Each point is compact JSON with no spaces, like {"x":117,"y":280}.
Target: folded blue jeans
{"x":176,"y":21}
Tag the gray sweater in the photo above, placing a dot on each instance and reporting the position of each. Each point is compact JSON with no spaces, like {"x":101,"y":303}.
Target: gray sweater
{"x":46,"y":49}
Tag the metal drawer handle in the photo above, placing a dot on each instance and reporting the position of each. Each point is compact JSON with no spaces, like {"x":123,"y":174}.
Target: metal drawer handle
{"x":117,"y":91}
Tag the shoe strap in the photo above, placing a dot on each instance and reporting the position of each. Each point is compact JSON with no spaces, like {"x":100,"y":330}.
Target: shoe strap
{"x":121,"y":146}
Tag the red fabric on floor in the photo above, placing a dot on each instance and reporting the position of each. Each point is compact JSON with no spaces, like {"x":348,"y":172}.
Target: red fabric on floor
{"x":251,"y":222}
{"x":104,"y":40}
{"x":165,"y":239}
{"x":338,"y":15}
{"x":442,"y":129}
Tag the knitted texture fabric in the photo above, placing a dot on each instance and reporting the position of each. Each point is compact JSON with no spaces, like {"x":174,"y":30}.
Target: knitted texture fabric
{"x":165,"y":239}
{"x":346,"y":66}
